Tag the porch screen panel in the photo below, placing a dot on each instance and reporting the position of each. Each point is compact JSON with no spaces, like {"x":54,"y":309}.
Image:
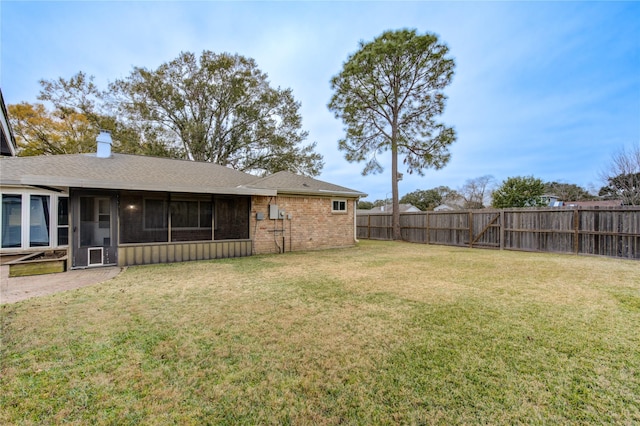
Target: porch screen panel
{"x":11,"y":220}
{"x":144,"y":218}
{"x":231,"y":218}
{"x":39,"y":221}
{"x":191,"y":220}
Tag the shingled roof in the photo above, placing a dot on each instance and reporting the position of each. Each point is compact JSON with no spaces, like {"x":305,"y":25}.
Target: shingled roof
{"x":143,"y":173}
{"x":123,"y":171}
{"x":289,"y":183}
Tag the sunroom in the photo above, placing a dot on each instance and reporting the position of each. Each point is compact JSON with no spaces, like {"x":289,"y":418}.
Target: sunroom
{"x":141,"y":227}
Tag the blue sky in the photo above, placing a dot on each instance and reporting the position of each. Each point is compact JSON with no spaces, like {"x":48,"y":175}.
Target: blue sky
{"x":548,"y":89}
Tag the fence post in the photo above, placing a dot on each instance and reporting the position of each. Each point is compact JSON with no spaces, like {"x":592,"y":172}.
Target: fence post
{"x":576,"y":231}
{"x":427,"y":227}
{"x":502,"y":229}
{"x":470,"y":229}
{"x":369,"y":226}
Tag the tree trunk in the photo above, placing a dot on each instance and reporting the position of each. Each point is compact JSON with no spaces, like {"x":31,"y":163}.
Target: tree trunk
{"x":397,"y":235}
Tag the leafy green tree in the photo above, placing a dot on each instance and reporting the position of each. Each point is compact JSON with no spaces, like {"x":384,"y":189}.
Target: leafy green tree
{"x":78,"y":97}
{"x":567,"y":191}
{"x":519,"y":192}
{"x":42,"y":132}
{"x":365,"y":205}
{"x":429,"y":199}
{"x":388,"y":95}
{"x":220,"y":108}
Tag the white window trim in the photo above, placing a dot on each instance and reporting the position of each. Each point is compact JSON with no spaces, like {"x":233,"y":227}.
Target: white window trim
{"x":54,"y":213}
{"x":340,"y":200}
{"x":25,"y":237}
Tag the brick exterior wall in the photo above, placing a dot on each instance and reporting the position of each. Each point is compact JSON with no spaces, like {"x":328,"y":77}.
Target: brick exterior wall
{"x":312,"y":225}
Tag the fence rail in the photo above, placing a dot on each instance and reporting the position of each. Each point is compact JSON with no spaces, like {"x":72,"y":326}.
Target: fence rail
{"x":612,"y":232}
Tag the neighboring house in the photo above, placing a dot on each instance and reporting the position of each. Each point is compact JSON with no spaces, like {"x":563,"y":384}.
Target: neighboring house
{"x":447,"y":207}
{"x":593,"y":203}
{"x":388,"y":208}
{"x":117,"y":209}
{"x":551,"y":200}
{"x":7,"y":141}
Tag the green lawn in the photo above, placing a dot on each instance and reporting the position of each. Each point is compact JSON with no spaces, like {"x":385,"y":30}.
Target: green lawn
{"x":383,"y":333}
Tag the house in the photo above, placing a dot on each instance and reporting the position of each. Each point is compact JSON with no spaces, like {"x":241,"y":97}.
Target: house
{"x":118,"y":209}
{"x":7,"y":141}
{"x":447,"y":207}
{"x":551,"y":200}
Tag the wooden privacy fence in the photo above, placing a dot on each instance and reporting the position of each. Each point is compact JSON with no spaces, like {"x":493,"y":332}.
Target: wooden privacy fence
{"x":613,"y":232}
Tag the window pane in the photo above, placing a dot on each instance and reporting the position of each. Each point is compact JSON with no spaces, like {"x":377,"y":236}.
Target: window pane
{"x":104,"y":214}
{"x":11,"y":220}
{"x":63,"y":235}
{"x":39,"y":221}
{"x":63,"y":221}
{"x":63,"y":211}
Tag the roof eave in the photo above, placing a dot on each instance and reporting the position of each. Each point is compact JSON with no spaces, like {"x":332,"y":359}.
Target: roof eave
{"x":88,"y":184}
{"x":321,"y":193}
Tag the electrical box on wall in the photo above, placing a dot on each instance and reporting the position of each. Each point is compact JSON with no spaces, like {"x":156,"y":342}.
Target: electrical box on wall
{"x":273,"y":211}
{"x":259,"y":216}
{"x":282,"y":214}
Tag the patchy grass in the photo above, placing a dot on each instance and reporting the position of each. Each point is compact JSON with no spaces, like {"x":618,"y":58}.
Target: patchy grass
{"x":383,"y":333}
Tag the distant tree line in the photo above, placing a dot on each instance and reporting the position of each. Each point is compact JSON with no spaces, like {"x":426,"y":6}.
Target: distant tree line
{"x":622,"y":178}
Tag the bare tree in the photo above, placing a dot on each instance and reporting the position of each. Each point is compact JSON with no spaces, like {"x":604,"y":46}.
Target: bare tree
{"x":476,"y":193}
{"x":622,"y":176}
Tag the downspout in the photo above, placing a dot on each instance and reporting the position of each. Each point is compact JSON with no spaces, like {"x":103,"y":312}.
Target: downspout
{"x":355,"y":220}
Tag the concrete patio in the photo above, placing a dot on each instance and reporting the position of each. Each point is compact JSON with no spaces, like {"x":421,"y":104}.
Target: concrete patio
{"x":16,"y":289}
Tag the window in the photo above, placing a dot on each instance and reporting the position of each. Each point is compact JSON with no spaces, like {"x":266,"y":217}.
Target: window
{"x":191,"y":214}
{"x":339,"y":206}
{"x":33,"y":220}
{"x":104,"y":213}
{"x":11,"y":220}
{"x":39,"y":221}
